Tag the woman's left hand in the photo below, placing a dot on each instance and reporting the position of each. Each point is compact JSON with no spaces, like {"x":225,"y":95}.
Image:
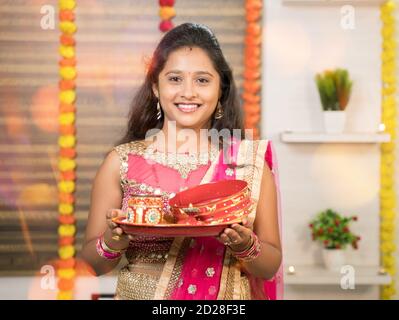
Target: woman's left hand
{"x":237,"y":237}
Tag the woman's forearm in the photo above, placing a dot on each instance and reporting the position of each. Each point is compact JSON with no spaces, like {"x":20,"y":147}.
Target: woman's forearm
{"x":266,"y":264}
{"x":99,"y":264}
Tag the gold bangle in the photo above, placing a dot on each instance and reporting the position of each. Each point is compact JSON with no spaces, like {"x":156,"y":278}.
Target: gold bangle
{"x":106,"y":247}
{"x":116,"y":237}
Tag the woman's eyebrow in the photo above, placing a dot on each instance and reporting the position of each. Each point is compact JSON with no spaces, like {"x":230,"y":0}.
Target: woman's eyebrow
{"x":196,"y":72}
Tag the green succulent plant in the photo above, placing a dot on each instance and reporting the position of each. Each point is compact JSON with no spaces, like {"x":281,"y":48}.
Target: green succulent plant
{"x":335,"y":89}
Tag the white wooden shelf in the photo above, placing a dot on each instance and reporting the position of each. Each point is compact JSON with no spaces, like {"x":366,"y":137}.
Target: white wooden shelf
{"x":310,"y":137}
{"x":318,"y":275}
{"x":334,"y":2}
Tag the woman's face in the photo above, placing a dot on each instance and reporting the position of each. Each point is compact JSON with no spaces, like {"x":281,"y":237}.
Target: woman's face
{"x":188,"y":88}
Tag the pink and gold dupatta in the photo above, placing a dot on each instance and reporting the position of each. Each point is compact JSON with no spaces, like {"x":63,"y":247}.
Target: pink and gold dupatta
{"x":208,"y":271}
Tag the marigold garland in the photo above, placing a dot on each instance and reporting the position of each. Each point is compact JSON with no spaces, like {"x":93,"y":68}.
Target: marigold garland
{"x":387,"y":192}
{"x":67,"y":152}
{"x":166,"y":13}
{"x":252,"y":65}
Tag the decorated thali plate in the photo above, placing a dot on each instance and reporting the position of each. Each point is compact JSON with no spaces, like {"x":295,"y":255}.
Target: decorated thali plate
{"x":173,"y":230}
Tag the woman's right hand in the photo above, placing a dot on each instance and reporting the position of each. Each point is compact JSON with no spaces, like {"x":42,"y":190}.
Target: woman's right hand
{"x":114,"y":236}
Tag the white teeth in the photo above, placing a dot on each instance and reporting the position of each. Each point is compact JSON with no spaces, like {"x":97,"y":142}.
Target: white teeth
{"x":187,"y":107}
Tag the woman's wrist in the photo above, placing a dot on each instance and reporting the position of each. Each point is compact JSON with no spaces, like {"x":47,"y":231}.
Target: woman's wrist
{"x":251,"y":252}
{"x":115,"y":245}
{"x":106,"y":252}
{"x":240,"y":248}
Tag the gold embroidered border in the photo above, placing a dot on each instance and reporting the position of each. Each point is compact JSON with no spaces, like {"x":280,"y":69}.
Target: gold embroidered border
{"x":225,"y":288}
{"x":251,"y":173}
{"x":251,"y":169}
{"x":237,"y":281}
{"x":230,"y":286}
{"x":135,"y":285}
{"x":259,"y":164}
{"x":251,"y":152}
{"x":177,"y":268}
{"x":251,"y":155}
{"x":245,"y":288}
{"x":123,"y":151}
{"x":223,"y":277}
{"x":230,"y":279}
{"x":168,"y":268}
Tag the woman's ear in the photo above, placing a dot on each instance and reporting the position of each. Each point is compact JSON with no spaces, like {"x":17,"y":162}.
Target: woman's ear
{"x":155,"y":90}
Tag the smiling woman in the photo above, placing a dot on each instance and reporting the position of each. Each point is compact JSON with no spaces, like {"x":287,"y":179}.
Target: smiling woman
{"x":188,"y":88}
{"x":187,"y":68}
{"x":188,"y":91}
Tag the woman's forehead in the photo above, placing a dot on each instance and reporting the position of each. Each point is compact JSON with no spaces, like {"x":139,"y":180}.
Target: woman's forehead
{"x":190,"y":60}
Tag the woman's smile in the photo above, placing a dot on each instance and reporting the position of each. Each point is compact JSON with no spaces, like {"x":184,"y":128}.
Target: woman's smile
{"x":188,"y":107}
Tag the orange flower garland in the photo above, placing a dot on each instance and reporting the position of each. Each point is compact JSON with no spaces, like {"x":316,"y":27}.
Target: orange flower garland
{"x":252,"y":66}
{"x":67,"y":141}
{"x":166,"y":13}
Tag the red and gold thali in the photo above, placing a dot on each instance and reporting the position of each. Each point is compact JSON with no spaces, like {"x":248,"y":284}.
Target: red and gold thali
{"x":203,"y":210}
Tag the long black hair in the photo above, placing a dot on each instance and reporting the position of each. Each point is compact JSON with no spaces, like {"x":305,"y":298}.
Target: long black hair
{"x":143,"y":111}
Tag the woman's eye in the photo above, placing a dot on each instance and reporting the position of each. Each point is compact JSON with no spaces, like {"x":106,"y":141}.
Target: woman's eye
{"x":174,"y":79}
{"x":203,"y":80}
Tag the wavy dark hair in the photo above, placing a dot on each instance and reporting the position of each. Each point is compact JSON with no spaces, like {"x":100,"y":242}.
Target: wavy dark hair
{"x":143,"y":112}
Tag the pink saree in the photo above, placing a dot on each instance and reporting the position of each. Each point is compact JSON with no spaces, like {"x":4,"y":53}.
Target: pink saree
{"x":206,"y":256}
{"x":207,"y":270}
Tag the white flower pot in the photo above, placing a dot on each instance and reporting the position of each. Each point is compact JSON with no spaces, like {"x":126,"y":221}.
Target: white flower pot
{"x":334,"y":121}
{"x":334,"y":259}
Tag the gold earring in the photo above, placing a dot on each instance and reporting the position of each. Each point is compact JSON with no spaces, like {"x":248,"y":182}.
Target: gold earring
{"x":159,"y":111}
{"x":219,"y":111}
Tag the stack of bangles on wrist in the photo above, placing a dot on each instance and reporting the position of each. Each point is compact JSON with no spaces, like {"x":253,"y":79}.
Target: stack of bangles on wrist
{"x":250,"y":253}
{"x":106,"y":252}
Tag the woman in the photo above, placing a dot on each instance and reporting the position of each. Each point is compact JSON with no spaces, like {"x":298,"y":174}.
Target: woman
{"x":189,"y":91}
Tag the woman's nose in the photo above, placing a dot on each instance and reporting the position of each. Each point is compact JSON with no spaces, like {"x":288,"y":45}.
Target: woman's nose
{"x":188,"y":90}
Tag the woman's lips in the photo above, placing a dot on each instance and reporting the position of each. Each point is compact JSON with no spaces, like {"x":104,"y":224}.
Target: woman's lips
{"x":187,"y":107}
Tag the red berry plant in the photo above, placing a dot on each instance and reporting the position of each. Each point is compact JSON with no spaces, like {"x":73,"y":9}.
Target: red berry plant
{"x":332,"y":230}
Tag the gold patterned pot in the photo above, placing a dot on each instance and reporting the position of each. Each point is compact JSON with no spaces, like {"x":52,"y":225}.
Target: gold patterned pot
{"x":145,"y":209}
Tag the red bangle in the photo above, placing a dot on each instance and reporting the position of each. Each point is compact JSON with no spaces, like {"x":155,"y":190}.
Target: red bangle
{"x":252,"y":252}
{"x":104,"y":253}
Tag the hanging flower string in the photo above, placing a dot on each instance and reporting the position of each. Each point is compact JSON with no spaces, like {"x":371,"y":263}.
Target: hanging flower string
{"x":166,"y":13}
{"x":387,"y":192}
{"x":252,"y":65}
{"x":67,"y":151}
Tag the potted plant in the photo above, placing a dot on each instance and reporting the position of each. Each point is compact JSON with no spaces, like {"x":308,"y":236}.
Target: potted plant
{"x":332,"y":230}
{"x":335,"y":89}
